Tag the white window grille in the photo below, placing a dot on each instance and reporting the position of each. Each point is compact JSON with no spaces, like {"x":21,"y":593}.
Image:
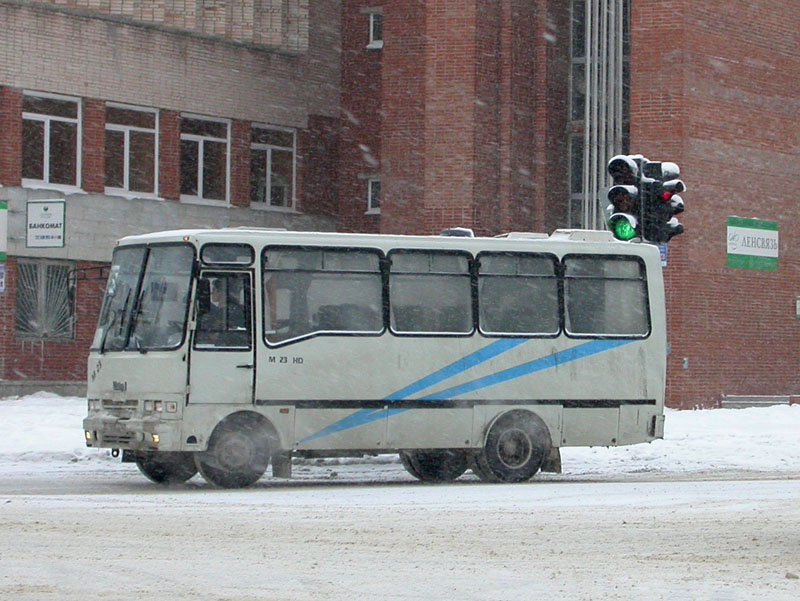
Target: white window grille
{"x":272,"y":167}
{"x":51,"y":150}
{"x":45,"y":300}
{"x":205,"y":158}
{"x":131,"y":150}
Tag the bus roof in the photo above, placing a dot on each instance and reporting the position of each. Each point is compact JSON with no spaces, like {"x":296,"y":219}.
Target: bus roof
{"x":259,"y":237}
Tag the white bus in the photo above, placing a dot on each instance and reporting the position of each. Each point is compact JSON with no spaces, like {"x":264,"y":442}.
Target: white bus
{"x":224,"y":351}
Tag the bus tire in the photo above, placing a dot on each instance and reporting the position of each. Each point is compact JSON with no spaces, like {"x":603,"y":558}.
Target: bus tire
{"x":516,"y":446}
{"x":238,"y":452}
{"x":166,"y":468}
{"x":434,"y":466}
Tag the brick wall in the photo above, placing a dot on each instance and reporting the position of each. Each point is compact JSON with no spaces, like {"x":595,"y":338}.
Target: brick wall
{"x":403,"y":149}
{"x":714,"y":88}
{"x":169,"y":155}
{"x":361,"y":121}
{"x":469,"y":134}
{"x":318,"y":167}
{"x":10,"y":136}
{"x":93,"y":123}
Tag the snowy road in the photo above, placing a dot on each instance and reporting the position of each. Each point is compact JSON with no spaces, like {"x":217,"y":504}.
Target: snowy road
{"x":86,"y":533}
{"x":710,"y":513}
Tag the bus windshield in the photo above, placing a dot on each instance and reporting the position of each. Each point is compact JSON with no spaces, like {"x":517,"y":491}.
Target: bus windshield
{"x":147,"y":299}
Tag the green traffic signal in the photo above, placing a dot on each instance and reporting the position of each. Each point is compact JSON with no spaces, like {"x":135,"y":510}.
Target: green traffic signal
{"x":623,"y":226}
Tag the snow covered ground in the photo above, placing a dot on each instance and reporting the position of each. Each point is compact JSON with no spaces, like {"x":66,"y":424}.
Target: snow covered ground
{"x":43,"y":431}
{"x":710,"y":513}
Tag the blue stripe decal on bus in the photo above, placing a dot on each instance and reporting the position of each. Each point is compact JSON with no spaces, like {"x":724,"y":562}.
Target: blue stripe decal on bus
{"x":367,"y":416}
{"x":490,"y":351}
{"x":554,"y":360}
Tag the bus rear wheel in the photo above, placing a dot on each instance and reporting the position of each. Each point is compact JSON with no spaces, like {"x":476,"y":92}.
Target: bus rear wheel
{"x":166,"y":468}
{"x":238,"y":453}
{"x":515,"y":449}
{"x":434,"y":466}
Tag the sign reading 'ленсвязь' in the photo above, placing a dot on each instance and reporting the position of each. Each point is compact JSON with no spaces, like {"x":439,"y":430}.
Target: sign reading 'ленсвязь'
{"x":752,"y":244}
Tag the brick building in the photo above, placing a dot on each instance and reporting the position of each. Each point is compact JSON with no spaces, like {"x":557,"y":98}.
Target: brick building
{"x":403,"y":117}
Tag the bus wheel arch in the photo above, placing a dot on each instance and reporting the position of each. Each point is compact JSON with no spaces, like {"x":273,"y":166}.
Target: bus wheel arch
{"x":516,"y":445}
{"x":239,"y":450}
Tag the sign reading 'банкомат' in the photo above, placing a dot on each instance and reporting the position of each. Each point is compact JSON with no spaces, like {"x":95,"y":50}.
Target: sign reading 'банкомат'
{"x":752,"y":244}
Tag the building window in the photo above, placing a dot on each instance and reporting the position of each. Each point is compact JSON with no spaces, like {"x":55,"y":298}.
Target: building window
{"x":375,"y":30}
{"x":204,"y":158}
{"x":50,"y":134}
{"x":45,"y":300}
{"x":373,"y":195}
{"x":131,"y":150}
{"x":272,"y":167}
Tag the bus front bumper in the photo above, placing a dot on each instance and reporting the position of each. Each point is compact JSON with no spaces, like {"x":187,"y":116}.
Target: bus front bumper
{"x":140,"y":434}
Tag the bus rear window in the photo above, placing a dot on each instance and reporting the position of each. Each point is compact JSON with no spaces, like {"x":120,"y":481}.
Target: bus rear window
{"x":605,"y":296}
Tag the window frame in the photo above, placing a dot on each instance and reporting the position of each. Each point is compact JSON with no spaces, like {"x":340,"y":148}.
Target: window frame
{"x":269,"y":148}
{"x":126,"y":130}
{"x":41,"y":298}
{"x":201,"y":140}
{"x":47,"y":120}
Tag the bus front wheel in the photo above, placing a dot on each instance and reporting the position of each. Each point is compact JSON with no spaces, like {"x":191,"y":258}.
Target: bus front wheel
{"x":515,"y":449}
{"x":434,"y":466}
{"x":238,"y":453}
{"x":166,"y":468}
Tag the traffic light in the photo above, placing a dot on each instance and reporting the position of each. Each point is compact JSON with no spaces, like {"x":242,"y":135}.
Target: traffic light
{"x":661,"y":202}
{"x":624,"y":196}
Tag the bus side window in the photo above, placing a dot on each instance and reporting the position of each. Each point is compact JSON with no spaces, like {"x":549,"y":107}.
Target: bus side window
{"x":430,"y":292}
{"x":321,"y":290}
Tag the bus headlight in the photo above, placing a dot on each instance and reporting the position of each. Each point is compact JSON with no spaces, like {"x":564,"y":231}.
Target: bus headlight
{"x":156,"y":438}
{"x":148,"y":405}
{"x":171,"y":407}
{"x":88,"y":436}
{"x":158,"y":406}
{"x":95,"y":405}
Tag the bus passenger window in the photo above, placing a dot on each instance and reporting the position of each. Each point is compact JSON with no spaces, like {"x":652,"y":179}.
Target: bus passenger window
{"x":430,"y":292}
{"x":518,"y":294}
{"x":605,"y":296}
{"x":318,"y":290}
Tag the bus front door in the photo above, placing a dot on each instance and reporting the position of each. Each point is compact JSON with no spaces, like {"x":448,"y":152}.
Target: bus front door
{"x":222,"y":365}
